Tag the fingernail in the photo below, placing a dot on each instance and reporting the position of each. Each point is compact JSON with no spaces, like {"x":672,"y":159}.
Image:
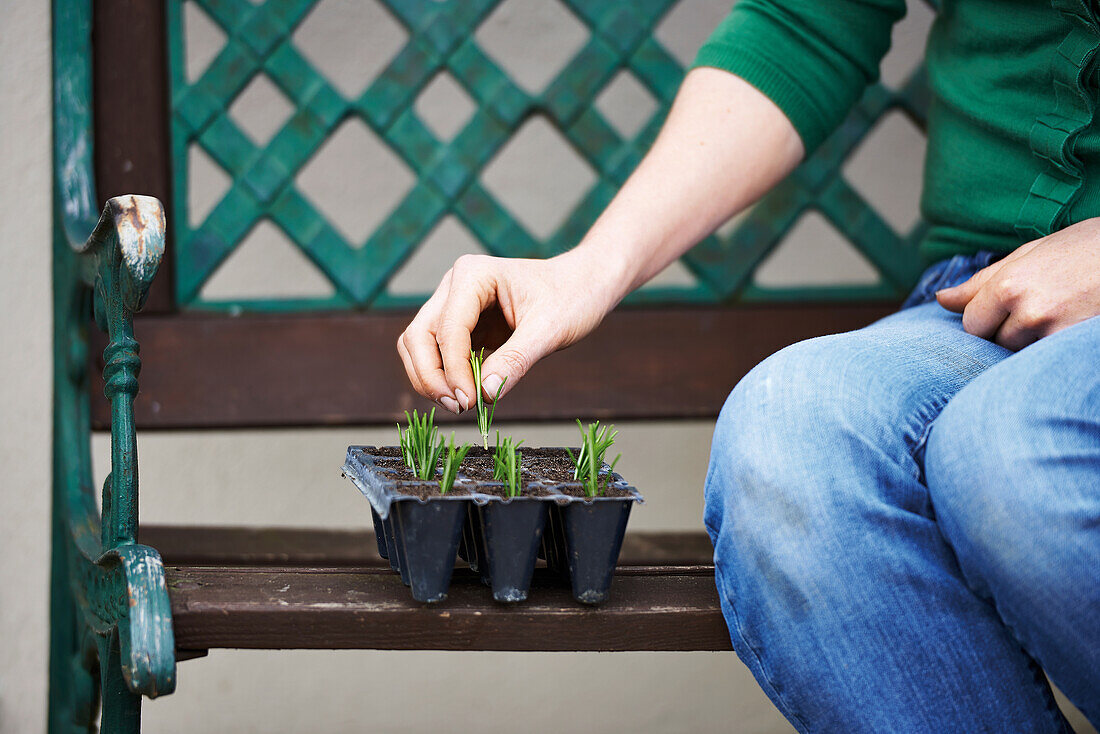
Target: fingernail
{"x":491,"y":384}
{"x":462,"y":399}
{"x":449,"y":403}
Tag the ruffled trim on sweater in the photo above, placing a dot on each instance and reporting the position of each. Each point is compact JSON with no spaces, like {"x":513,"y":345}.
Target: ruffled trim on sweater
{"x":1054,"y":135}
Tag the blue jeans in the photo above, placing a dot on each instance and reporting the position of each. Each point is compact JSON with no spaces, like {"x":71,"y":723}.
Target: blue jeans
{"x":906,"y":524}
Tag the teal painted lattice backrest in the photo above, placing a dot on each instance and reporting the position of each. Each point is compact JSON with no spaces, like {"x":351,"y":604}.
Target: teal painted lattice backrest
{"x":448,"y":173}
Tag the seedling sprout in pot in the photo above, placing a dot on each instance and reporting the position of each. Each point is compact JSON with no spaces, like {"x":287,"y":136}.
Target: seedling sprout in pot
{"x":420,"y":444}
{"x":426,"y":534}
{"x":509,"y":527}
{"x":507,"y":465}
{"x":594,"y":529}
{"x":451,"y":463}
{"x":589,"y":461}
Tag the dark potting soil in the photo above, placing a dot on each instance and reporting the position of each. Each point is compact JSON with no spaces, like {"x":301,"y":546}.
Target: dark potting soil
{"x":549,"y":466}
{"x":399,"y":470}
{"x":577,"y":490}
{"x":478,"y":468}
{"x":426,"y":490}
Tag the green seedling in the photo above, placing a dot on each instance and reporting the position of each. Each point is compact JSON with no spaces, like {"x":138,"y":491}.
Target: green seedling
{"x":484,"y":413}
{"x":506,"y":465}
{"x":587,"y":463}
{"x":451,"y":462}
{"x":420,"y":443}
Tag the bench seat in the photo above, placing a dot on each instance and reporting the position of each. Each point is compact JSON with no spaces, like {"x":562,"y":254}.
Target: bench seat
{"x":291,"y":588}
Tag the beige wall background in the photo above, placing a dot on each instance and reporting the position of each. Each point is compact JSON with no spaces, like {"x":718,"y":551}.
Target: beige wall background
{"x":291,"y":477}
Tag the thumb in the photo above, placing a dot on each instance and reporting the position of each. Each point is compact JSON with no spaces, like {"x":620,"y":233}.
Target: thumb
{"x":956,"y":297}
{"x":510,"y":362}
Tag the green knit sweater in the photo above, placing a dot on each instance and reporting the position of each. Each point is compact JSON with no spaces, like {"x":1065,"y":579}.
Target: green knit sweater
{"x":1013,"y":153}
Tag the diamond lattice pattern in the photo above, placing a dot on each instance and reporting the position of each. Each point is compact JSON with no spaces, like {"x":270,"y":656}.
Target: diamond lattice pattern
{"x":355,"y":128}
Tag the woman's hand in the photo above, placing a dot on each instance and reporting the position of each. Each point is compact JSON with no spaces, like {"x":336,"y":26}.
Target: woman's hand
{"x":546,"y":305}
{"x":1040,"y":288}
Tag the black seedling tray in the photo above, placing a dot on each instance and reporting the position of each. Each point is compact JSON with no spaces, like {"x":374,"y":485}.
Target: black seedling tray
{"x":420,"y":532}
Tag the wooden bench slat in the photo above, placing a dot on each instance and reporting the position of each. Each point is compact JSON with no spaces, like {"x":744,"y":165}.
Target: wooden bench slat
{"x":248,"y":546}
{"x":270,"y":588}
{"x":214,"y":371}
{"x":666,"y":608}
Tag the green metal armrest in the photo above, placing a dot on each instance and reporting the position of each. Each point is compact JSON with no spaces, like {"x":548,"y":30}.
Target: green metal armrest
{"x":119,"y":261}
{"x":107,"y":589}
{"x":111,"y":625}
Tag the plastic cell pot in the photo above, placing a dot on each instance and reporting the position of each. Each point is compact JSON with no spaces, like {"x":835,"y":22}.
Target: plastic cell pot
{"x":512,"y":530}
{"x":594,"y":533}
{"x":427,"y":535}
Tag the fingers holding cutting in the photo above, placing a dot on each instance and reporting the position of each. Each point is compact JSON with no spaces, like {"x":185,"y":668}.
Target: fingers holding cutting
{"x":526,"y":308}
{"x":473,"y":289}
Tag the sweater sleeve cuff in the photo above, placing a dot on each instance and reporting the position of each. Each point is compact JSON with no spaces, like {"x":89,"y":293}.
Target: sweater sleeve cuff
{"x":773,"y":81}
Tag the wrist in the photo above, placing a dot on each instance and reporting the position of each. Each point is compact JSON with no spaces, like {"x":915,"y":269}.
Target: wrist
{"x":609,"y":269}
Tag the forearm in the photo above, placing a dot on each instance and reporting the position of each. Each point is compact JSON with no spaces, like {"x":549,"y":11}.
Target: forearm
{"x":722,"y":147}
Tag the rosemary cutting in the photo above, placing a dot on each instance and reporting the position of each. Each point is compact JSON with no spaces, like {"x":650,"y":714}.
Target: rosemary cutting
{"x":506,"y":465}
{"x":451,"y":462}
{"x":484,"y":413}
{"x":420,"y":444}
{"x":587,"y":463}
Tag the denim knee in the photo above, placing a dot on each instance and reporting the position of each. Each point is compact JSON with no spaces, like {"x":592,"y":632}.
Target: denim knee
{"x":792,"y":430}
{"x":756,"y":429}
{"x":786,"y":442}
